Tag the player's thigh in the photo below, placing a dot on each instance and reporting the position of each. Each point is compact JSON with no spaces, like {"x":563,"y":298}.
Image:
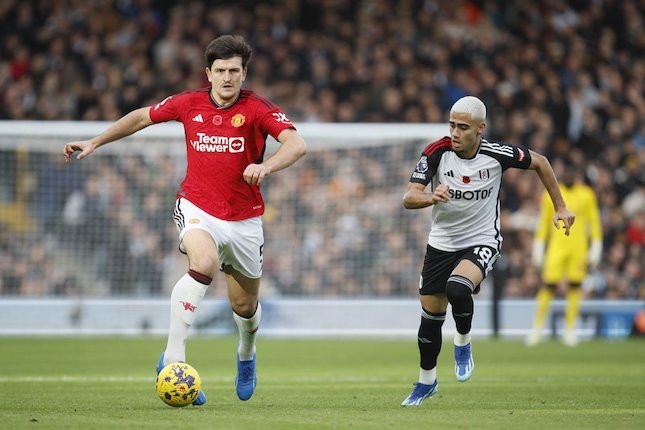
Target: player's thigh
{"x":201,"y":250}
{"x":476,"y":263}
{"x":435,"y":303}
{"x":244,"y":253}
{"x":470,"y":270}
{"x":198,"y":236}
{"x":576,"y":269}
{"x":437,"y":267}
{"x":555,"y":262}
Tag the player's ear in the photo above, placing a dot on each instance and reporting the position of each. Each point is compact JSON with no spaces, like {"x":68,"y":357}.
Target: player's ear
{"x":481,"y":128}
{"x":208,"y":74}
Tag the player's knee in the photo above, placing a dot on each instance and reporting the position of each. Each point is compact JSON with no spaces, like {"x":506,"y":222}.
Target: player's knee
{"x":551,"y":286}
{"x":205,"y":264}
{"x":459,"y":289}
{"x":243,"y":306}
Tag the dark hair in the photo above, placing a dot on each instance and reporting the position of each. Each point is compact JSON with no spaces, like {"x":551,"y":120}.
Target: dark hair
{"x":228,"y":46}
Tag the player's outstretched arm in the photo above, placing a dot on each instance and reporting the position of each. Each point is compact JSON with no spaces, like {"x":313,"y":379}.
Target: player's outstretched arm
{"x":292,"y":148}
{"x":545,"y":172}
{"x":127,"y":125}
{"x":416,"y":197}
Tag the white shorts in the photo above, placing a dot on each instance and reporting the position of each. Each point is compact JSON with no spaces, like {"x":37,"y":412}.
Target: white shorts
{"x":239,"y":243}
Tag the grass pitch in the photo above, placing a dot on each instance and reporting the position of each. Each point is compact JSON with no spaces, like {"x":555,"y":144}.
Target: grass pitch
{"x":108,"y":383}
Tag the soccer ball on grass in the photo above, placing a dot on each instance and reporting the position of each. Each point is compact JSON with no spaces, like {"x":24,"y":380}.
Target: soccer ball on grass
{"x":178,"y":384}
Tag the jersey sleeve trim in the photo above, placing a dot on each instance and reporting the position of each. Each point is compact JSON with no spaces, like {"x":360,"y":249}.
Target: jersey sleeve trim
{"x":507,"y":155}
{"x":429,"y":161}
{"x":436,"y":146}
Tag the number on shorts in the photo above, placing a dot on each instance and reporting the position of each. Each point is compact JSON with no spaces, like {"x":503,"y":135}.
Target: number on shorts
{"x":484,"y":255}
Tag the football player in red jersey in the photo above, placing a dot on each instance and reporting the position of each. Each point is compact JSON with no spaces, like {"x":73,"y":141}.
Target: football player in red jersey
{"x":219,"y":206}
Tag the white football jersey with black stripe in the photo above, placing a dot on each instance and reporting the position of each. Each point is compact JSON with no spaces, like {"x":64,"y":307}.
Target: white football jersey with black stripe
{"x":472,"y":215}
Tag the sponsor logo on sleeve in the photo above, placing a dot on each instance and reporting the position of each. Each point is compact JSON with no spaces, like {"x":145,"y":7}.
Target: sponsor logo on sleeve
{"x":280,"y":117}
{"x":422,"y":165}
{"x":161,"y":103}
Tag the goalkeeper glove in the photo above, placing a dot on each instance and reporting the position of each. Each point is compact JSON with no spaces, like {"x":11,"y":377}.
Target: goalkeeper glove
{"x":537,"y":256}
{"x":595,"y":253}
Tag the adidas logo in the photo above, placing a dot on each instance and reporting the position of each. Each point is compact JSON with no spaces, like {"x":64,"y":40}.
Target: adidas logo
{"x":198,"y":118}
{"x":449,"y":173}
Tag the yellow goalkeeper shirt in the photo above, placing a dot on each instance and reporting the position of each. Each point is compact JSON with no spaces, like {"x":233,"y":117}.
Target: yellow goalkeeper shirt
{"x":581,"y":200}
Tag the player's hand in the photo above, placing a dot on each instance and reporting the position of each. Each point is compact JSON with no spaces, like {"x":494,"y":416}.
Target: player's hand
{"x":441,"y":194}
{"x":567,"y":218}
{"x":85,"y":147}
{"x":255,"y":173}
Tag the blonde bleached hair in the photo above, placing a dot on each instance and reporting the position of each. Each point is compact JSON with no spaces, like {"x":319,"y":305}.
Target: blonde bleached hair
{"x":472,"y":106}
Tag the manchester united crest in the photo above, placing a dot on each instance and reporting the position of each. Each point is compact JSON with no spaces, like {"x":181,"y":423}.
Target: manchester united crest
{"x":238,"y":120}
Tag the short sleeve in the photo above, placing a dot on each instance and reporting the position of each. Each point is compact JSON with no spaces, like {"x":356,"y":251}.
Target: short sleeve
{"x":274,"y":122}
{"x":165,"y":110}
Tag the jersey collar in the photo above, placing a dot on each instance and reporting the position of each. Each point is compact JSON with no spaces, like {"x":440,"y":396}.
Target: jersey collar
{"x":479,"y":147}
{"x":219,"y":106}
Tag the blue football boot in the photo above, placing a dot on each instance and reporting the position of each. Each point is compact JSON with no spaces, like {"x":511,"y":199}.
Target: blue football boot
{"x":246,"y":379}
{"x":464,"y":363}
{"x":420,"y":393}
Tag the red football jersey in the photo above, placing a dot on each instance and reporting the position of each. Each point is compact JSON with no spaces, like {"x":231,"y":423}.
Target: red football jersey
{"x":220,"y":143}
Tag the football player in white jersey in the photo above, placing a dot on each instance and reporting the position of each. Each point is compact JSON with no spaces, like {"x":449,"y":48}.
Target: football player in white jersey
{"x":464,"y":172}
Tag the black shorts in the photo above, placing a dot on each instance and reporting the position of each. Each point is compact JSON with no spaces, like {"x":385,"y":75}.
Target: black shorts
{"x":438,"y":266}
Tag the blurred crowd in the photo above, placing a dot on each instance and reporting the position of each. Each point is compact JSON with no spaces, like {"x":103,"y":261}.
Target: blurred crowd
{"x":565,"y":78}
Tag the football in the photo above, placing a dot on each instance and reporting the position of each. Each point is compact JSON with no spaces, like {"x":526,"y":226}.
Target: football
{"x":178,"y":384}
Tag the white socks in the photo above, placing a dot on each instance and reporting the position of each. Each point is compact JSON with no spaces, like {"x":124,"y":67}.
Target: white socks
{"x":462,"y":339}
{"x":427,"y":377}
{"x":248,"y":328}
{"x":185,"y":299}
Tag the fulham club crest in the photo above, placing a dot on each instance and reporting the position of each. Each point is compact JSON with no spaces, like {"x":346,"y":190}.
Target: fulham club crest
{"x":484,"y":175}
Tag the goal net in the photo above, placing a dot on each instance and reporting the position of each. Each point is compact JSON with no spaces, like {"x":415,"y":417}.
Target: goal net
{"x":102,"y":227}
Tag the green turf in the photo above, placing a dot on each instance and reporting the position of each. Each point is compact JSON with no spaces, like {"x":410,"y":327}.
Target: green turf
{"x":108,"y":383}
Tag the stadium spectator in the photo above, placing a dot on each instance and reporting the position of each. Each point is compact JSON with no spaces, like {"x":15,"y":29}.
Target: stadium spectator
{"x":341,"y":61}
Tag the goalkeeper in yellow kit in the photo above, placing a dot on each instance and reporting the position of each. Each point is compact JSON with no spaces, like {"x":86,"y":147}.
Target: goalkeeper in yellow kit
{"x":567,"y":258}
